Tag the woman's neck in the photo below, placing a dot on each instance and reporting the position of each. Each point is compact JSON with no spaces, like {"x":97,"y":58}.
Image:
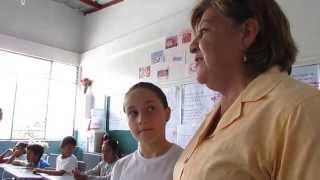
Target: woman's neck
{"x":231,"y":93}
{"x":152,"y":150}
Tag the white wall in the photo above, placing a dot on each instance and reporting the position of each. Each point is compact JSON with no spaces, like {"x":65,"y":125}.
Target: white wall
{"x":42,"y":22}
{"x":130,"y":30}
{"x":29,"y":48}
{"x":305,"y":25}
{"x":133,"y":17}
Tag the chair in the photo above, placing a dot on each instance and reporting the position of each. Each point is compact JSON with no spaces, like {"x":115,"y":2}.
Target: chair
{"x":52,"y":160}
{"x":78,"y":152}
{"x":82,"y":166}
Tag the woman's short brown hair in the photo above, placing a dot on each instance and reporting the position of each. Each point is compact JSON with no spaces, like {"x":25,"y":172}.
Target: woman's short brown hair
{"x":273,"y":45}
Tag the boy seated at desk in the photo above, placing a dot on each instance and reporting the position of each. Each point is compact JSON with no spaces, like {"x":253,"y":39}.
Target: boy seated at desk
{"x":18,"y":153}
{"x":66,"y":162}
{"x":102,"y":171}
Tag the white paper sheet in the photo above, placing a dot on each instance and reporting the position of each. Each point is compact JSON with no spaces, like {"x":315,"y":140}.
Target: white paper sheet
{"x":117,"y":118}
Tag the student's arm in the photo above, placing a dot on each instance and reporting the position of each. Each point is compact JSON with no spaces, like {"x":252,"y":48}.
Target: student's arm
{"x":11,"y":158}
{"x":95,"y":171}
{"x":49,"y":171}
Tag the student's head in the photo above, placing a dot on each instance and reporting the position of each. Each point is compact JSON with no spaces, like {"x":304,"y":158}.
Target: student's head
{"x":106,"y":137}
{"x":34,"y":153}
{"x":20,"y":148}
{"x":110,"y":150}
{"x":147,"y":110}
{"x":67,"y":145}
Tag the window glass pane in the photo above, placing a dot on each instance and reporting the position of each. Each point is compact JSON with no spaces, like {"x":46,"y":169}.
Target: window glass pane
{"x":30,"y":109}
{"x":60,"y":110}
{"x":22,"y":65}
{"x":7,"y":93}
{"x":64,"y":72}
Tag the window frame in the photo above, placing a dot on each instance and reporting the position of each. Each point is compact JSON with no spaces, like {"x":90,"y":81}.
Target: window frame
{"x":49,"y":80}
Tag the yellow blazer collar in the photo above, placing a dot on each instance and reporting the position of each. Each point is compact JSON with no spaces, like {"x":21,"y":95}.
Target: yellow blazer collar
{"x":256,"y":90}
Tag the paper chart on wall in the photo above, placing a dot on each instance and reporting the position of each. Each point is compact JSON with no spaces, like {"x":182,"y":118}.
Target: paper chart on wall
{"x":197,"y":101}
{"x":185,"y":134}
{"x":117,"y":118}
{"x":173,"y":95}
{"x":173,"y":98}
{"x":308,"y":74}
{"x":176,"y":60}
{"x":98,"y":119}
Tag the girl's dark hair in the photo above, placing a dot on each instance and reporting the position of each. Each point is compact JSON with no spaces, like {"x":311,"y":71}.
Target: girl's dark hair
{"x":37,"y":150}
{"x":114,"y":145}
{"x":68,"y":140}
{"x":155,"y":89}
{"x":106,"y":136}
{"x":22,"y":144}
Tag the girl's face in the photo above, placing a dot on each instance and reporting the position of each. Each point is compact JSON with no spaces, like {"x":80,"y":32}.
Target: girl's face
{"x":67,"y":149}
{"x":107,"y":153}
{"x":147,"y":116}
{"x":31,"y":156}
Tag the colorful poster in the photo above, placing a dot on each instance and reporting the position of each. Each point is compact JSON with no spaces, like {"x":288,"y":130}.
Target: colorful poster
{"x":186,"y":36}
{"x":157,"y":57}
{"x":163,"y":74}
{"x":171,"y":42}
{"x":144,"y":72}
{"x":176,"y":56}
{"x":176,"y":61}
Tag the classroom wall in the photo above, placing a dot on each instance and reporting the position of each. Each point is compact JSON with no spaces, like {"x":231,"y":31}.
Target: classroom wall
{"x":119,"y":40}
{"x":132,"y":17}
{"x":41,"y":28}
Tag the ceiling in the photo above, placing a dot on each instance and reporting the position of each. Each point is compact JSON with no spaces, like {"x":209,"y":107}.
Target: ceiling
{"x":88,"y":6}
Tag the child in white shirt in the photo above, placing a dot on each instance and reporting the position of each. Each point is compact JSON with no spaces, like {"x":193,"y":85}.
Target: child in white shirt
{"x":147,"y":110}
{"x":65,"y":162}
{"x":102,"y":171}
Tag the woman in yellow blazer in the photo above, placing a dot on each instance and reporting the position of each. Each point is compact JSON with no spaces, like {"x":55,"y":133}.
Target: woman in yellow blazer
{"x":267,"y":126}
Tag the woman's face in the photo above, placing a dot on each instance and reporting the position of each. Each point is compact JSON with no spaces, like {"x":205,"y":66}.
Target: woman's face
{"x":218,"y":49}
{"x":147,"y":116}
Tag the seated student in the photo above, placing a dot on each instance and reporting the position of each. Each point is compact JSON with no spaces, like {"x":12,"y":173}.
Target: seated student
{"x":102,"y":171}
{"x":66,"y":162}
{"x":147,"y":110}
{"x":17,"y":154}
{"x":34,"y":154}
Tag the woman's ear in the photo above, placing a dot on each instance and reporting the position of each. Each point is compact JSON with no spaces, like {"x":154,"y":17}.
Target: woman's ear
{"x":168,"y":113}
{"x":250,"y":29}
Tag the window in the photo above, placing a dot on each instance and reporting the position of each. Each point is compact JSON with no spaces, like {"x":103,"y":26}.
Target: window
{"x":61,"y":107}
{"x":38,"y":94}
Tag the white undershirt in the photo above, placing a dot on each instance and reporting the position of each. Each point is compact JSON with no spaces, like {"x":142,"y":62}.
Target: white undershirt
{"x":136,"y":167}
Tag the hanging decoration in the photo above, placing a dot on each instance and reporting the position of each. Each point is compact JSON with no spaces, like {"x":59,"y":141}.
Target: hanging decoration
{"x":86,"y":82}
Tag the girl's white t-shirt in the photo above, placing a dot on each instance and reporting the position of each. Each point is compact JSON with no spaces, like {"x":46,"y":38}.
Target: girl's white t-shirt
{"x":67,"y":164}
{"x":136,"y":167}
